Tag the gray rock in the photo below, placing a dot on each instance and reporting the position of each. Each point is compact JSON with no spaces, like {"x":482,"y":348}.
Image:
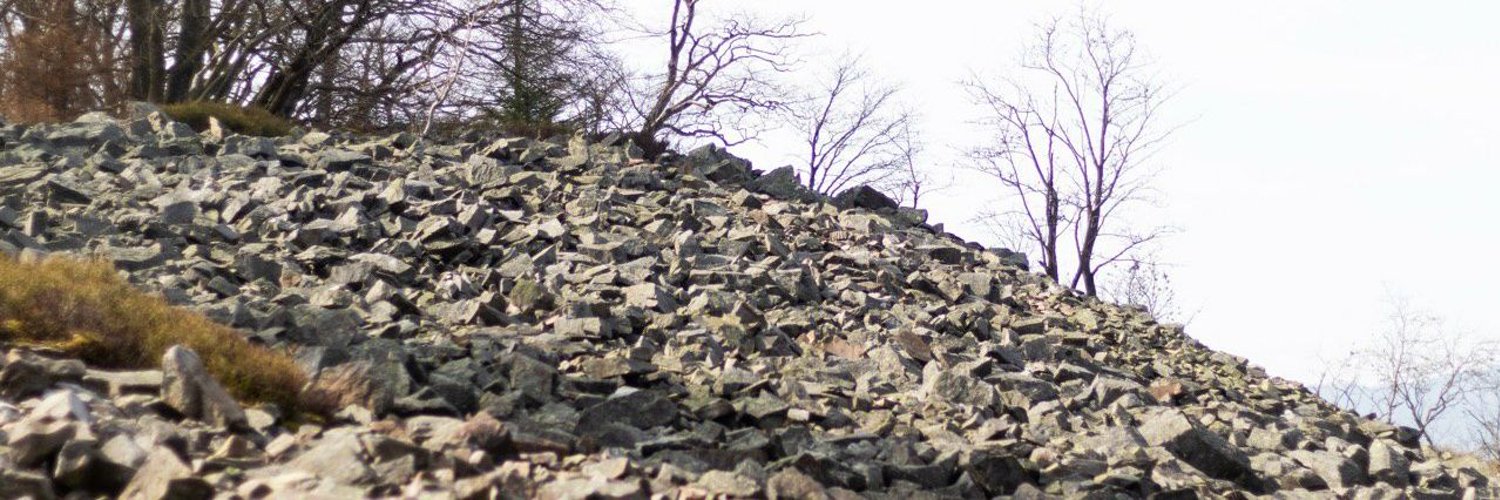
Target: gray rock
{"x":86,"y":131}
{"x":164,"y":476}
{"x":718,"y":482}
{"x":340,"y":458}
{"x":591,"y":488}
{"x":951,"y":387}
{"x":25,"y":374}
{"x":789,"y":484}
{"x":338,"y":160}
{"x":640,"y":409}
{"x":21,"y":174}
{"x":188,"y":388}
{"x":25,"y":484}
{"x":865,"y":197}
{"x":782,"y":183}
{"x":33,"y":441}
{"x":716,"y":164}
{"x":1389,"y":465}
{"x":1338,"y":471}
{"x":1197,"y":446}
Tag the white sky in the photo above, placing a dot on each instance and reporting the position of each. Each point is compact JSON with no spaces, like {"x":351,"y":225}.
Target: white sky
{"x":1336,"y":149}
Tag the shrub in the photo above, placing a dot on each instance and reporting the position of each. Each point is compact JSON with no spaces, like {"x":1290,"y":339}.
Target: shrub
{"x":84,"y":309}
{"x":238,"y":119}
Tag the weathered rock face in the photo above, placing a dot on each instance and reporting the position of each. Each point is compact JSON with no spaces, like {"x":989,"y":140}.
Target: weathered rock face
{"x":520,"y":318}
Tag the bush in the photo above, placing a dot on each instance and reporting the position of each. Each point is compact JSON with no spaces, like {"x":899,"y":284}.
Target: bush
{"x":238,"y":119}
{"x":84,"y":309}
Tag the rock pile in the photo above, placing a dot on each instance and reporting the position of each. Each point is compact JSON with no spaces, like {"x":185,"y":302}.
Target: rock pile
{"x":516,"y":318}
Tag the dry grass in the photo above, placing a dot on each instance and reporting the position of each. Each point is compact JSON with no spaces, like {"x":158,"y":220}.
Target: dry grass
{"x":85,"y":309}
{"x":239,"y":119}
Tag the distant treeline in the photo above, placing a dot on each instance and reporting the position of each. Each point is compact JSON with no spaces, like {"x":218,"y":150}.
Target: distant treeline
{"x":365,"y":65}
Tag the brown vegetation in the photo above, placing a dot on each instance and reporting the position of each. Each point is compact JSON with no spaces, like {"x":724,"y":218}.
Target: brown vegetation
{"x":239,"y":119}
{"x":54,"y":65}
{"x":84,"y":309}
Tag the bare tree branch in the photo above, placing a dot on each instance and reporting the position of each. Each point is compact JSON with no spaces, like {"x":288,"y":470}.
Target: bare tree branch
{"x":853,"y":131}
{"x":1070,"y":136}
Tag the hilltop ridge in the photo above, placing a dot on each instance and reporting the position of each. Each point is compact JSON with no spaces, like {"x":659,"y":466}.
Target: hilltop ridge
{"x":507,"y":317}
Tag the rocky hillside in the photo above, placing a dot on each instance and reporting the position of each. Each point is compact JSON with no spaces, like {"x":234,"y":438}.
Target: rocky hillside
{"x":507,"y":318}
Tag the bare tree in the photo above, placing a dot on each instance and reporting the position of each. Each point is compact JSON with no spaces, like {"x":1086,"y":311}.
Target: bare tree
{"x":1483,"y":411}
{"x":1339,"y":382}
{"x":716,"y":77}
{"x":1072,"y":136}
{"x":911,"y":182}
{"x":853,"y":130}
{"x":1415,"y":372}
{"x":1145,"y":284}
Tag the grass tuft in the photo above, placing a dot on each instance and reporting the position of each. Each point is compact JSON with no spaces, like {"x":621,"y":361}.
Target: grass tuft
{"x":85,"y":309}
{"x":238,"y":119}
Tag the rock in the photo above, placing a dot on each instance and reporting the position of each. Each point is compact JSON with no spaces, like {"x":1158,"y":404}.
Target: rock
{"x":115,"y":462}
{"x":188,"y":388}
{"x":1197,"y":446}
{"x":591,"y":488}
{"x":254,"y":147}
{"x":1388,"y":465}
{"x":61,"y":191}
{"x":164,"y":476}
{"x":865,"y":197}
{"x":640,"y":409}
{"x":782,"y":183}
{"x":21,"y":174}
{"x":1107,"y":389}
{"x":338,"y":160}
{"x":717,"y":482}
{"x":716,"y":164}
{"x":1338,"y":471}
{"x":121,"y":383}
{"x":956,"y":388}
{"x":25,"y":374}
{"x":998,"y":473}
{"x":25,"y":484}
{"x":790,"y":484}
{"x":340,"y":458}
{"x":34,"y":441}
{"x":86,"y":131}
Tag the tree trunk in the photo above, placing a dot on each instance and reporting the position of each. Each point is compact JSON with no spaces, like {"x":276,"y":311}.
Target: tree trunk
{"x":146,"y":49}
{"x":191,"y":43}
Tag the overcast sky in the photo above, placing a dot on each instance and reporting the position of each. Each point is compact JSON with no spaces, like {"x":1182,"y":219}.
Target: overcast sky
{"x":1335,"y":150}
